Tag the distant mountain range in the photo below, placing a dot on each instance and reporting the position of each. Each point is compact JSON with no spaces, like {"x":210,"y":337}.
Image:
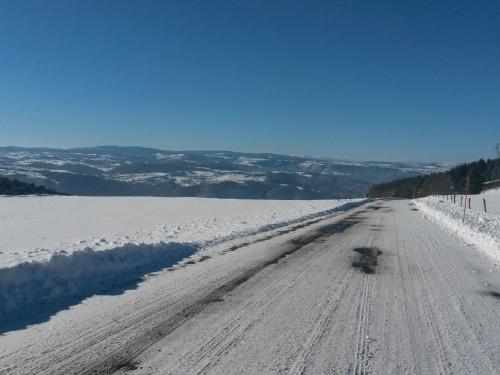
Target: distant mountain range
{"x":133,"y":171}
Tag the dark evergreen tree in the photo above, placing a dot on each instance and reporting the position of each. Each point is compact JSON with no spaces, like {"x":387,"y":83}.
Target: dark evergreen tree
{"x":16,"y":187}
{"x":481,"y":174}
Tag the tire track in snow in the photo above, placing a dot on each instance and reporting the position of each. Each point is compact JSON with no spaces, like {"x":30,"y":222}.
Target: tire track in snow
{"x":228,"y":336}
{"x":362,"y":347}
{"x":453,"y":277}
{"x":361,"y":353}
{"x":283,"y":288}
{"x":429,"y":317}
{"x":320,"y":325}
{"x":405,"y":299}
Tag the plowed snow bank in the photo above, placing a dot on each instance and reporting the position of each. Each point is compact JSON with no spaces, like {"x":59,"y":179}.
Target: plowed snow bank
{"x":83,"y":273}
{"x":479,"y":229}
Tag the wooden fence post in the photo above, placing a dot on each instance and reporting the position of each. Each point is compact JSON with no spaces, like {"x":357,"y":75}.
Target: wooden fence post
{"x":466,"y":193}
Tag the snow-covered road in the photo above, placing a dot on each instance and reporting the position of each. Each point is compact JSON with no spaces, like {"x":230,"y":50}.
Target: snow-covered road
{"x":378,"y":289}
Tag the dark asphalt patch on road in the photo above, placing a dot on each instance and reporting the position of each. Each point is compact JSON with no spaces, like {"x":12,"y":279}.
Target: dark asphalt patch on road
{"x":338,"y":227}
{"x":324,"y":231}
{"x":367,"y":260}
{"x":378,"y":208}
{"x":280,"y":233}
{"x":492,"y":293}
{"x":127,"y":366}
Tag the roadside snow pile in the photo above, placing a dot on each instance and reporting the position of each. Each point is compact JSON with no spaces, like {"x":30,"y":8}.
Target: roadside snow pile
{"x":83,"y":273}
{"x":479,"y":229}
{"x":53,"y":249}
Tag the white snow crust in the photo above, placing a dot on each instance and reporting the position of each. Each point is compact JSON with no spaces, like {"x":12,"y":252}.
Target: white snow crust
{"x":476,"y":228}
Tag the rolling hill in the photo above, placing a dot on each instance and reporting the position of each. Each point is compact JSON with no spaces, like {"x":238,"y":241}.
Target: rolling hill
{"x":138,"y":171}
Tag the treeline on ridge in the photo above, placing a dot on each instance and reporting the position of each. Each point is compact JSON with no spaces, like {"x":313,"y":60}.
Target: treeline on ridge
{"x":481,"y":175}
{"x":15,"y":187}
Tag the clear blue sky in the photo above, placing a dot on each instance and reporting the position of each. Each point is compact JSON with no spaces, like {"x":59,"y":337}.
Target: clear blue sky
{"x":394,"y":80}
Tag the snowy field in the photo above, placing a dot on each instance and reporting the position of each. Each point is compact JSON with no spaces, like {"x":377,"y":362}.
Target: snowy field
{"x":477,"y":228}
{"x":492,"y":198}
{"x":52,"y":248}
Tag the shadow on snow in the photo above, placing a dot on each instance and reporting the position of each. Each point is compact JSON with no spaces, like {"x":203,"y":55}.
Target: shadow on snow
{"x":31,"y":293}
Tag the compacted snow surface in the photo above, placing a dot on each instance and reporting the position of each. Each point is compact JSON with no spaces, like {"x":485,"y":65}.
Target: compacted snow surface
{"x":377,"y":289}
{"x":474,"y":226}
{"x":55,"y":248}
